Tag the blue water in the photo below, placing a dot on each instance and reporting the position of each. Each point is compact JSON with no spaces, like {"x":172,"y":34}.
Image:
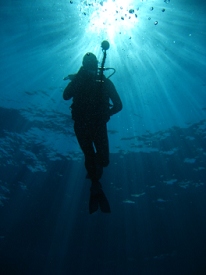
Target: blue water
{"x":156,"y":180}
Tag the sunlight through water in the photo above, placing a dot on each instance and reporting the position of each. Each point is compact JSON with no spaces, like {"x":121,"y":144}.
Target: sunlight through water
{"x":110,"y":16}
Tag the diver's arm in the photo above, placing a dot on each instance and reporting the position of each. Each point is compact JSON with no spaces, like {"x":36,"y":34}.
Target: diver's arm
{"x":68,"y":92}
{"x":73,"y":86}
{"x":117,"y":103}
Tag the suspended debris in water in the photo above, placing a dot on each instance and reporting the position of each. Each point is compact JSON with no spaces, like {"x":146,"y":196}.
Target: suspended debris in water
{"x":163,"y":10}
{"x":167,"y":1}
{"x":149,"y":18}
{"x":151,"y":8}
{"x":156,"y":22}
{"x":71,"y":2}
{"x":122,"y":18}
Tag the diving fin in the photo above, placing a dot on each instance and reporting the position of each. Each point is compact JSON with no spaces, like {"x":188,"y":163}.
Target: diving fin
{"x":93,"y":203}
{"x":103,"y":203}
{"x":98,"y":199}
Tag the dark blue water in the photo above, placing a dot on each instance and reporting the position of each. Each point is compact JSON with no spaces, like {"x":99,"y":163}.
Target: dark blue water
{"x":156,"y":180}
{"x":46,"y":227}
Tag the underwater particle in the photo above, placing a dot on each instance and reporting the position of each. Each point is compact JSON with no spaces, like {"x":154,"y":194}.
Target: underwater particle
{"x":149,"y":18}
{"x":156,"y":22}
{"x":161,"y":200}
{"x":136,"y":15}
{"x":122,"y":18}
{"x":71,"y":2}
{"x":130,"y":37}
{"x":167,"y":1}
{"x":131,"y":11}
{"x":163,"y":10}
{"x":151,"y":8}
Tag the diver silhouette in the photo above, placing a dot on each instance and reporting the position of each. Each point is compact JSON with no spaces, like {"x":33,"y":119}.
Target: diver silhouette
{"x":91,"y":110}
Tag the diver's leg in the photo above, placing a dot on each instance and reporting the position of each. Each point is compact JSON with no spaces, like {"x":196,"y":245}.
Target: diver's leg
{"x":84,"y":137}
{"x":102,"y":147}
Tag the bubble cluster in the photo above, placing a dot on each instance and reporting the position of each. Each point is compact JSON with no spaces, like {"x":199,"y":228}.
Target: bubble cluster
{"x":87,"y":7}
{"x":111,"y":14}
{"x":163,"y":10}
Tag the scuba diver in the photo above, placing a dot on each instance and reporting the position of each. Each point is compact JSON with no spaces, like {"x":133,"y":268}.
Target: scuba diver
{"x":92,"y":92}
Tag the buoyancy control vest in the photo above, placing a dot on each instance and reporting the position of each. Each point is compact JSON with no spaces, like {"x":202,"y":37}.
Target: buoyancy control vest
{"x":90,"y":98}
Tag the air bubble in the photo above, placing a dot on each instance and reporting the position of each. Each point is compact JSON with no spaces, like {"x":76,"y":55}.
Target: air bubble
{"x":131,"y":11}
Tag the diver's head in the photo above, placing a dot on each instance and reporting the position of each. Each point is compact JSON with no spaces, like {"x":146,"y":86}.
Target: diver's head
{"x":90,"y":62}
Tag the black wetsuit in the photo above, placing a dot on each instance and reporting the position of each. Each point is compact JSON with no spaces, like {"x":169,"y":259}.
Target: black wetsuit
{"x":91,"y":111}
